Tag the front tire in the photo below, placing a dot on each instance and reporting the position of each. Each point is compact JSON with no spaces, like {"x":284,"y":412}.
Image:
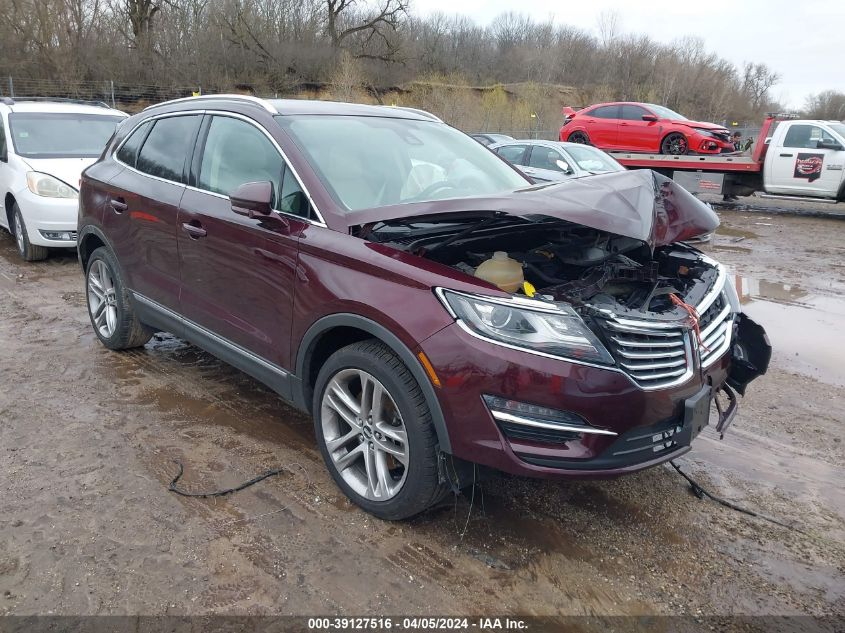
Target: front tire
{"x":112,"y":316}
{"x":375,"y":433}
{"x":28,"y":251}
{"x":675,"y":144}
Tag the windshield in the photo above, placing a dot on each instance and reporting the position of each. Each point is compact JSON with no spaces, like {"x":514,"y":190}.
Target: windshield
{"x":839,"y":128}
{"x":368,"y":162}
{"x":666,"y":113}
{"x":61,"y":135}
{"x":592,"y":159}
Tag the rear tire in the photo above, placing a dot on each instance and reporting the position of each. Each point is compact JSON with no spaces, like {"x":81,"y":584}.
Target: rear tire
{"x":28,"y":251}
{"x":371,"y":411}
{"x":109,"y":307}
{"x":579,"y":137}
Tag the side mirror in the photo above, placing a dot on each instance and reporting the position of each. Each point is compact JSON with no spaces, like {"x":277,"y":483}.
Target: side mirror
{"x":253,"y":199}
{"x":564,"y":166}
{"x":650,"y":117}
{"x":828,"y":145}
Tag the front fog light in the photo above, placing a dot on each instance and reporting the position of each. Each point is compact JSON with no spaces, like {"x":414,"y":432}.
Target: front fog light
{"x":525,"y":414}
{"x":61,"y":236}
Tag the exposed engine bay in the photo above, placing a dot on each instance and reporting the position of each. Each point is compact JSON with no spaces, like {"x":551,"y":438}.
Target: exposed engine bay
{"x":555,"y":260}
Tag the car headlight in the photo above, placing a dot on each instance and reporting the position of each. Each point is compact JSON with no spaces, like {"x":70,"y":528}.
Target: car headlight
{"x":48,"y":186}
{"x":554,"y":329}
{"x":704,"y":132}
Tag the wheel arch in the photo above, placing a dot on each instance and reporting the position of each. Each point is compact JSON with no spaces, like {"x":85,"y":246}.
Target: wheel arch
{"x":8,"y":204}
{"x":336,"y":331}
{"x":578,"y":130}
{"x":90,"y":238}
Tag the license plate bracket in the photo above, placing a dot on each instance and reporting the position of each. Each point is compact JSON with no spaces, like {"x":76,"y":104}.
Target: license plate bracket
{"x":697,"y":413}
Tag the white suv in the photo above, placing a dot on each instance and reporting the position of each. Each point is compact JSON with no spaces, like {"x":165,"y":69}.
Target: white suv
{"x":44,"y":146}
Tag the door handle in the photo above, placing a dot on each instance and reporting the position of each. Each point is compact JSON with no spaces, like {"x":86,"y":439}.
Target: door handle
{"x":118,"y":205}
{"x":786,"y":155}
{"x":194,"y":231}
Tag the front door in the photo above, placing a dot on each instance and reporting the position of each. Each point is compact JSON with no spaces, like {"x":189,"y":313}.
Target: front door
{"x":636,"y":134}
{"x":798,"y":165}
{"x":238,"y":272}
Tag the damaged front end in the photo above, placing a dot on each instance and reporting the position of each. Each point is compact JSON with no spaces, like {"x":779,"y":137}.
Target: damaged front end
{"x":641,"y":302}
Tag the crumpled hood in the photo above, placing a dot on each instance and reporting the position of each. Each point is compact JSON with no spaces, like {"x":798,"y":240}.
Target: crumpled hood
{"x":68,"y":170}
{"x":639,"y":204}
{"x":704,"y":125}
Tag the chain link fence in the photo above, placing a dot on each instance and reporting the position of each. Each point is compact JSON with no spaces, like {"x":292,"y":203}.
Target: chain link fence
{"x":124,"y":96}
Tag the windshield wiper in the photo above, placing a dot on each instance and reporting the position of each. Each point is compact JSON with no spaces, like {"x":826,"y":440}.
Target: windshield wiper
{"x":498,"y":215}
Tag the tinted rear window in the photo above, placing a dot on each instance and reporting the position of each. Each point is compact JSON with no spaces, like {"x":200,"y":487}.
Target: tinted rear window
{"x":167,"y":146}
{"x":605,"y":112}
{"x":128,"y":153}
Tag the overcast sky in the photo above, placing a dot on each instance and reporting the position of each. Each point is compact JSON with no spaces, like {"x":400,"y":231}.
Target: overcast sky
{"x":802,"y":40}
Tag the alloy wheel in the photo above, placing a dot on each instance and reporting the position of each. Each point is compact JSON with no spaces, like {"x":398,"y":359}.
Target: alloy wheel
{"x":675,"y":144}
{"x":364,"y":434}
{"x":102,"y":302}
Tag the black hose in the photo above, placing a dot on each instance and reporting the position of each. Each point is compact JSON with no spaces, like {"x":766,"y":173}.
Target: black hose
{"x":219,"y":493}
{"x":700,"y":492}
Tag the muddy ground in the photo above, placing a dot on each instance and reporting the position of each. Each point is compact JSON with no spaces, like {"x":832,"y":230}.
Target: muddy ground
{"x":88,"y":440}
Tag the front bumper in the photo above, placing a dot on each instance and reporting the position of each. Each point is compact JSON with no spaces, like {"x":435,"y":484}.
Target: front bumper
{"x":47,"y":218}
{"x":606,"y":398}
{"x":701,"y":144}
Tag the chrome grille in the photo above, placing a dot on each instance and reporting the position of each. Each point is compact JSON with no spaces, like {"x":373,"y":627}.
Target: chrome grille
{"x":716,"y":325}
{"x":655,"y":355}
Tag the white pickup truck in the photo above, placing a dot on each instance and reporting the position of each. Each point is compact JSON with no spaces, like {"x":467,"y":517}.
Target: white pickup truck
{"x":796,"y":158}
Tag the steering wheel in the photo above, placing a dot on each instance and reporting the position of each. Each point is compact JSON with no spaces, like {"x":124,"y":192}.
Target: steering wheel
{"x":435,"y":187}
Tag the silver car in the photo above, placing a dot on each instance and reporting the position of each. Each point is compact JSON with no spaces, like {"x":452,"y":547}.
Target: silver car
{"x":551,"y":161}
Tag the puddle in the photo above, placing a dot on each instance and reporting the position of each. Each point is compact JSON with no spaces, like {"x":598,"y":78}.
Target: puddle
{"x":735,"y":234}
{"x":805,"y":327}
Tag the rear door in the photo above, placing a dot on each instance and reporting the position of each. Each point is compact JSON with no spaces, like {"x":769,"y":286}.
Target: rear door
{"x":514,"y":154}
{"x":237,"y":272}
{"x":602,"y":125}
{"x":634,"y":133}
{"x":142,"y":209}
{"x":795,"y":163}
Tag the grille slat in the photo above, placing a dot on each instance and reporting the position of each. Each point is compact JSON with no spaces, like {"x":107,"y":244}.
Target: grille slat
{"x":657,"y":355}
{"x":658,"y":365}
{"x":652,"y":356}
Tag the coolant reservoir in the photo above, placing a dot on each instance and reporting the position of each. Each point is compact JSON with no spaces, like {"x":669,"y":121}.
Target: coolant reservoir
{"x":502,"y":271}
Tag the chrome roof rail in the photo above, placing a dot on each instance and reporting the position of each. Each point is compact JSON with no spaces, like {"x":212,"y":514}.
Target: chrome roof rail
{"x":230,"y":97}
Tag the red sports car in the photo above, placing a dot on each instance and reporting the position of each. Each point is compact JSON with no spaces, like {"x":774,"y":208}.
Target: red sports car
{"x":643,"y":127}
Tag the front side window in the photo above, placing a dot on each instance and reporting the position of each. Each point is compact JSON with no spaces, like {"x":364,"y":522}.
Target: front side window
{"x":166,"y":148}
{"x":370,"y":161}
{"x":806,"y":136}
{"x":546,"y":158}
{"x":633,"y":113}
{"x":61,"y":135}
{"x":236,"y":152}
{"x":128,"y":152}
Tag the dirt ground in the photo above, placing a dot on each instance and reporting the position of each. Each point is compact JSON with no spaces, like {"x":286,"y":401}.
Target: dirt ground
{"x":88,"y":440}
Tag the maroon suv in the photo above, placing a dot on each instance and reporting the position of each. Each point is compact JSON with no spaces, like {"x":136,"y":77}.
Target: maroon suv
{"x":427,"y":304}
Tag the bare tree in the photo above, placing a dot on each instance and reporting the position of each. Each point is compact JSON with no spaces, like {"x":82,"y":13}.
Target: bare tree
{"x":757,"y":79}
{"x":370,"y":31}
